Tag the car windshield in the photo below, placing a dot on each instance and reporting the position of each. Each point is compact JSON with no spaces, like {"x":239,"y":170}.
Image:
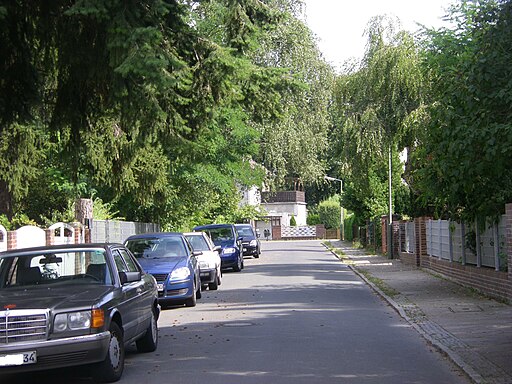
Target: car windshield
{"x":245,"y":231}
{"x":219,"y":235}
{"x":56,"y":268}
{"x":199,"y":243}
{"x":157,"y":248}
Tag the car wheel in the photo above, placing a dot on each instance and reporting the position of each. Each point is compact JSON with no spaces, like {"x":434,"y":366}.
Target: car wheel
{"x":257,"y":254}
{"x":198,"y":292}
{"x":111,"y":369}
{"x":243,"y":265}
{"x":238,"y":266}
{"x":193,"y":299}
{"x":215,"y":284}
{"x":149,"y":341}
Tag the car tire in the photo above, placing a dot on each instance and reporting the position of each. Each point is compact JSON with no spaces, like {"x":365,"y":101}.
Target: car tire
{"x":213,"y":286}
{"x":149,"y":342}
{"x":199,"y":294}
{"x":193,"y":299}
{"x":111,"y":369}
{"x":238,"y":267}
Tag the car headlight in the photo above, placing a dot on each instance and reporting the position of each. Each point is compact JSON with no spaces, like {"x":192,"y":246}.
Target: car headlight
{"x":253,"y":243}
{"x":72,"y":321}
{"x":228,"y":251}
{"x":204,"y":264}
{"x":181,"y":273}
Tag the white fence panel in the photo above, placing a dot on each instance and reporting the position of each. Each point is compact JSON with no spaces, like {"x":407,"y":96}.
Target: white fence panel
{"x":63,"y":233}
{"x":3,"y":238}
{"x":410,"y":237}
{"x":463,"y":242}
{"x":438,"y":238}
{"x":30,"y":236}
{"x":301,"y":231}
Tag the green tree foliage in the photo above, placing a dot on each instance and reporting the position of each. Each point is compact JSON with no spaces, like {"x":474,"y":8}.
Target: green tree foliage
{"x":157,"y":107}
{"x":463,"y":167}
{"x":374,"y":105}
{"x":330,"y":212}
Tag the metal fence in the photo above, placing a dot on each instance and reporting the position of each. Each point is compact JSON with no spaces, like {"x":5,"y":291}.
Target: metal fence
{"x":112,"y":231}
{"x":467,"y":244}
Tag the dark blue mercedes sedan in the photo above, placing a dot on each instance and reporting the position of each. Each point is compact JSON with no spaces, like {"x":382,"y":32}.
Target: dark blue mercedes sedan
{"x":169,"y":257}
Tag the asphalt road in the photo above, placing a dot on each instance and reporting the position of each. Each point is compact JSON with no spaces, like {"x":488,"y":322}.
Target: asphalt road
{"x":295,"y":315}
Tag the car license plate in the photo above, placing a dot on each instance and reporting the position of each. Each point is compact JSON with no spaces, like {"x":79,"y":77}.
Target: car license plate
{"x":21,"y":358}
{"x":160,"y":287}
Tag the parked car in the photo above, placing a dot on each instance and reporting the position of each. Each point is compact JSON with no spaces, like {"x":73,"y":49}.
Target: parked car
{"x":250,"y":241}
{"x":169,"y":257}
{"x":225,"y":236}
{"x":209,"y":261}
{"x":72,"y":305}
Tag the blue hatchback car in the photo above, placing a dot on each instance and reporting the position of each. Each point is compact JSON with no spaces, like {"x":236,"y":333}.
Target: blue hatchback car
{"x":169,"y":257}
{"x":226,"y":236}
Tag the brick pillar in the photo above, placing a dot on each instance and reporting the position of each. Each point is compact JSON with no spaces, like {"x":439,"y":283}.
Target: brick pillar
{"x":276,"y":233}
{"x":87,"y":235}
{"x":12,"y":240}
{"x":508,"y":237}
{"x":421,"y":239}
{"x":384,"y":234}
{"x":50,"y":236}
{"x":320,"y":231}
{"x":77,"y":227}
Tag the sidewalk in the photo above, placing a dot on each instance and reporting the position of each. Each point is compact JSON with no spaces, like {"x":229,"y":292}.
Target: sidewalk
{"x":474,"y":331}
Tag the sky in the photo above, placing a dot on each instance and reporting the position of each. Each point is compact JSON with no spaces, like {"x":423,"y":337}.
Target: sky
{"x":340,"y":24}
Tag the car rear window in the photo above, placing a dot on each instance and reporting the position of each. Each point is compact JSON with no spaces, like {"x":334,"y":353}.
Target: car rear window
{"x":156,"y":248}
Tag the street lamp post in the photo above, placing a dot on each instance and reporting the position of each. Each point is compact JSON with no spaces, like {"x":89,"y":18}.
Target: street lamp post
{"x":342,"y":234}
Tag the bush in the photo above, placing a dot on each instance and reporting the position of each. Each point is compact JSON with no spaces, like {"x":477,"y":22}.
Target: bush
{"x":330,"y":212}
{"x":293,"y":222}
{"x":313,"y":219}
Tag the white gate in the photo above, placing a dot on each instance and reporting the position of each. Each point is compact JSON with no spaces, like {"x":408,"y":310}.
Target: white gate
{"x":3,"y":238}
{"x":63,"y":233}
{"x":30,"y":236}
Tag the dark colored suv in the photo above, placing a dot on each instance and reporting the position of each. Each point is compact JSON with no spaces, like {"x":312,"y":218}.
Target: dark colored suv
{"x":250,"y":241}
{"x":226,"y":236}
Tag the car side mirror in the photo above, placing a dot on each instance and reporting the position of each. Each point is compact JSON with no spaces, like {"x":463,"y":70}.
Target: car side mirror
{"x":217,"y":248}
{"x":129,"y":277}
{"x":197,"y":253}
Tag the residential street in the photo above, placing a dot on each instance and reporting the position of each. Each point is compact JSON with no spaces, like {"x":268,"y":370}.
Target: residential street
{"x":296,"y":315}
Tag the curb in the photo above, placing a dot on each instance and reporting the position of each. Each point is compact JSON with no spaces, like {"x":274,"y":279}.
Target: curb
{"x":455,"y":357}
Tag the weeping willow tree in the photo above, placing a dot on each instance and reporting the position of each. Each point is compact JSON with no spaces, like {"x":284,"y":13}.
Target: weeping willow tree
{"x":376,"y":103}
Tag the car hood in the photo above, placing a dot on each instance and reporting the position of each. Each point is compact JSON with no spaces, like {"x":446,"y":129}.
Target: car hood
{"x":208,"y":256}
{"x":77,"y":296}
{"x":162,"y":265}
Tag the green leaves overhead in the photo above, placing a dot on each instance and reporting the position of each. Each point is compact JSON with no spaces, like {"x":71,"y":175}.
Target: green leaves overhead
{"x":160,"y":106}
{"x":464,"y":166}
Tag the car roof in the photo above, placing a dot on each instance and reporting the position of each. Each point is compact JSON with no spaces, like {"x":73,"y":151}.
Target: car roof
{"x":153,"y":235}
{"x":59,"y":247}
{"x":193,"y":233}
{"x":208,"y":226}
{"x":243,"y":225}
